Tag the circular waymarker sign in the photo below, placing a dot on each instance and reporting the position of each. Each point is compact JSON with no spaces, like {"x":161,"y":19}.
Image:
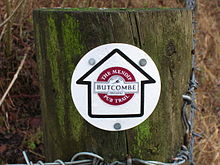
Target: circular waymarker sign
{"x":115,"y":86}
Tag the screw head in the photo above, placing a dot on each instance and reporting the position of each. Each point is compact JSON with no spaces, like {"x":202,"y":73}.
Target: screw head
{"x":92,"y":61}
{"x":142,"y":62}
{"x":117,"y":126}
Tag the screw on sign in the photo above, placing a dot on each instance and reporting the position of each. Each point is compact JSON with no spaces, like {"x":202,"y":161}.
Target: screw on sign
{"x":115,"y":86}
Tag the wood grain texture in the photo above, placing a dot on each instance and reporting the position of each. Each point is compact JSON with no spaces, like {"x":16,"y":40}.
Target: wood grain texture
{"x":63,"y":36}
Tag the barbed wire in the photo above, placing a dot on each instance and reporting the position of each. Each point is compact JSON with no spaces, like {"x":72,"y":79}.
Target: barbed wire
{"x":191,"y":4}
{"x":94,"y":159}
{"x":189,"y":103}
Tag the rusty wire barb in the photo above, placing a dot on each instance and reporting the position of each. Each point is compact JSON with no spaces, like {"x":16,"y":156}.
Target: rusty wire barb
{"x":185,"y":155}
{"x":191,"y":4}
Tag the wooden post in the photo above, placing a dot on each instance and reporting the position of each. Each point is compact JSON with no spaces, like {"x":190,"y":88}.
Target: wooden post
{"x":63,"y":36}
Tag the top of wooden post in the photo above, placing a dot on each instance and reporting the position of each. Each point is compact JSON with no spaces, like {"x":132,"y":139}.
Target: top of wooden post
{"x":110,"y":9}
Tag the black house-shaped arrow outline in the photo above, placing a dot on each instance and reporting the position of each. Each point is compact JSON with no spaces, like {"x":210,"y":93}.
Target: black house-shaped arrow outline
{"x":112,"y":53}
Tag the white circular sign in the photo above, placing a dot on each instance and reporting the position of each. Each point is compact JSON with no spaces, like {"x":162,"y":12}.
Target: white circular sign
{"x":115,"y":86}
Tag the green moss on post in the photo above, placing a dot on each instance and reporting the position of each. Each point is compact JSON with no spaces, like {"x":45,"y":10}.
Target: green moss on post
{"x":63,"y":36}
{"x":53,"y":53}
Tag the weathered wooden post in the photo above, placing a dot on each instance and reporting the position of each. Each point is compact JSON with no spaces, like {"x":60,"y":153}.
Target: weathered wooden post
{"x":63,"y":36}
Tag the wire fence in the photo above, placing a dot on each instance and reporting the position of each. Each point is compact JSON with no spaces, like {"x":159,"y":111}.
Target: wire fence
{"x":88,"y":158}
{"x":188,"y":115}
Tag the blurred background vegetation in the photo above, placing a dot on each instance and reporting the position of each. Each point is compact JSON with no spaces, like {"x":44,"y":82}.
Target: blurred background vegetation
{"x":20,"y":116}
